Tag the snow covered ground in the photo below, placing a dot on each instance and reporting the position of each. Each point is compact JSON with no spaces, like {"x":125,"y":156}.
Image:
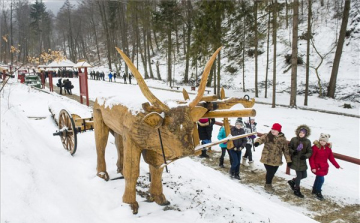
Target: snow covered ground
{"x":41,"y":182}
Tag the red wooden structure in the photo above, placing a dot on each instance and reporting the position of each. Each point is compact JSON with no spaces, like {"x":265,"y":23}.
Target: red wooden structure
{"x":51,"y":87}
{"x":42,"y":75}
{"x":83,"y":82}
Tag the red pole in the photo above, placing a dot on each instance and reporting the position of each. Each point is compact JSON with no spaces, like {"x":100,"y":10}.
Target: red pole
{"x":87,"y":90}
{"x":51,"y":82}
{"x":81,"y":99}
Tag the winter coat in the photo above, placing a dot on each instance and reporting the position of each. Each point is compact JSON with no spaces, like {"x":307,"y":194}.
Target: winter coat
{"x":273,"y":150}
{"x":205,"y":129}
{"x":250,"y":130}
{"x":222,"y":135}
{"x":238,"y":142}
{"x":297,"y":163}
{"x":319,"y":158}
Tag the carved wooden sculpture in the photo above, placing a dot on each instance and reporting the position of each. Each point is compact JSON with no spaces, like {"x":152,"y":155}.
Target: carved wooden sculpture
{"x":138,"y":133}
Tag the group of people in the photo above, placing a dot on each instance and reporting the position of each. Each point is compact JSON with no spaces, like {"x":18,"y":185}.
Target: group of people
{"x":111,"y":75}
{"x":296,"y":152}
{"x":66,"y":84}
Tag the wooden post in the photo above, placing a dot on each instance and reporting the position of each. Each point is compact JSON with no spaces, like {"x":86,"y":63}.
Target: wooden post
{"x":51,"y":87}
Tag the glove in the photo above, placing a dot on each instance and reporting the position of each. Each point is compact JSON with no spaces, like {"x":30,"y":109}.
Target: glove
{"x":295,"y":152}
{"x":289,"y":164}
{"x":303,"y":157}
{"x":252,"y":137}
{"x":256,"y":144}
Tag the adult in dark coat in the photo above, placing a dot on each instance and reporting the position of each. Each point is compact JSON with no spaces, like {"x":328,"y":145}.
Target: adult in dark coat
{"x":60,"y":85}
{"x":235,"y":152}
{"x":300,"y":150}
{"x":68,"y":86}
{"x":205,"y":128}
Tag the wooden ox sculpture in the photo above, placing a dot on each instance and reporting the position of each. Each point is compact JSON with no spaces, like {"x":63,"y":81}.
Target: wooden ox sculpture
{"x":137,"y":133}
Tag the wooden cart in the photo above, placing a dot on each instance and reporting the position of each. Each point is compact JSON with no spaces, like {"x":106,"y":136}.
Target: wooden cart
{"x":69,"y":126}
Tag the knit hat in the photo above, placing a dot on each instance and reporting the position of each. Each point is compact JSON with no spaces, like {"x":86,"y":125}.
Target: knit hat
{"x":303,"y":130}
{"x":324,"y":137}
{"x":277,"y":127}
{"x":239,"y":121}
{"x":203,"y":120}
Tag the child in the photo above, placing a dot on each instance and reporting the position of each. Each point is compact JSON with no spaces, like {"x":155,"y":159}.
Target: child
{"x":250,"y":127}
{"x":223,"y":147}
{"x":235,"y":152}
{"x":275,"y":145}
{"x":318,"y":162}
{"x":205,"y":127}
{"x":300,"y":150}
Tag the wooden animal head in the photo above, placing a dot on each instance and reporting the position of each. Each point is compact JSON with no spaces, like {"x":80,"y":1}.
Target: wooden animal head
{"x":176,"y":123}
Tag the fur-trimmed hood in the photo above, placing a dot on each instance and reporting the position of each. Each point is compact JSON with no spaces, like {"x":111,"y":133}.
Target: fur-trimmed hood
{"x":317,"y":143}
{"x":307,"y":128}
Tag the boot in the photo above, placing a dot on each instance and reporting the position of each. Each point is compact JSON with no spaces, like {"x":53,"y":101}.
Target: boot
{"x":319,"y":195}
{"x":251,"y":164}
{"x":292,"y":184}
{"x":237,"y":176}
{"x":297,"y":192}
{"x":221,"y":163}
{"x":232,"y":174}
{"x":243,"y":161}
{"x":313,"y":191}
{"x":203,"y":154}
{"x":268,"y":188}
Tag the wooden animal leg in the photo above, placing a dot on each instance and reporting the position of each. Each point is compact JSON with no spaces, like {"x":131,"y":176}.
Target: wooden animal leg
{"x":101,"y":138}
{"x":156,"y":190}
{"x":131,"y":173}
{"x":120,"y":150}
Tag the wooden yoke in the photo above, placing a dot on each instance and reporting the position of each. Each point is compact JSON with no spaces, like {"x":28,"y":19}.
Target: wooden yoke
{"x":226,"y":122}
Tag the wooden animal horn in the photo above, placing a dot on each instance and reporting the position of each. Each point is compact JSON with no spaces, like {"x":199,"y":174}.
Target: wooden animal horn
{"x":143,"y":87}
{"x":204,"y":78}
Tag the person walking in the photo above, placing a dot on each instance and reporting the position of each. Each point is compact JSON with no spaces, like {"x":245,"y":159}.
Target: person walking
{"x":205,"y":128}
{"x":249,"y":128}
{"x":300,"y":150}
{"x":223,"y":146}
{"x":235,"y":152}
{"x":275,"y":145}
{"x":60,"y":85}
{"x":110,"y":76}
{"x":319,"y":162}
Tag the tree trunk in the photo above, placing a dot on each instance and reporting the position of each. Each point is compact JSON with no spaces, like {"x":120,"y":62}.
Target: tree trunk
{"x":148,"y":51}
{"x":294,"y":55}
{"x":267,"y":55}
{"x":274,"y":59}
{"x":335,"y":68}
{"x":218,"y":75}
{"x":169,"y":56}
{"x":106,"y":30}
{"x":256,"y":52}
{"x":308,"y":52}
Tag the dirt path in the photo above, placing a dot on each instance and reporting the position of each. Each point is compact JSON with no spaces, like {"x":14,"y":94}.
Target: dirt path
{"x":323,"y":211}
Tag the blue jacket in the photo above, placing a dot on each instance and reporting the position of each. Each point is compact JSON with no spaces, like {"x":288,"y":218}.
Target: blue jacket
{"x":222,"y":135}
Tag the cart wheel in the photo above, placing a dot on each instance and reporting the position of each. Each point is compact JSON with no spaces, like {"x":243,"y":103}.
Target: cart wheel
{"x":68,"y":137}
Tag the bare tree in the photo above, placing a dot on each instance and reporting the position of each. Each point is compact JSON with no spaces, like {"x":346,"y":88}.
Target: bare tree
{"x":274,"y":59}
{"x":308,"y":52}
{"x":294,"y":55}
{"x":335,"y":68}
